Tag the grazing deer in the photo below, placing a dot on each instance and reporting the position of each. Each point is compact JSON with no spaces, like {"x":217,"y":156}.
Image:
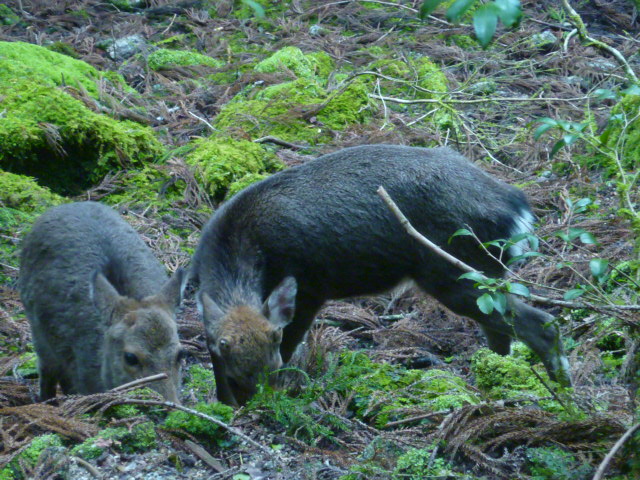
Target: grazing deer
{"x":101,"y":308}
{"x":271,"y":256}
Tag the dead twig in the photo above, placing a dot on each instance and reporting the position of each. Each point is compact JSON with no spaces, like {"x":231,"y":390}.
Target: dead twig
{"x":463,"y":266}
{"x":88,"y":467}
{"x":140,"y":381}
{"x":479,"y":100}
{"x":617,"y":446}
{"x":278,"y":141}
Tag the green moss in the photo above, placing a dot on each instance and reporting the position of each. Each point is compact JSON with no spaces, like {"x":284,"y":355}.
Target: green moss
{"x":324,"y":64}
{"x":503,"y":377}
{"x":64,"y":49}
{"x":200,"y":382}
{"x":29,"y":457}
{"x":23,"y":194}
{"x":148,"y":186}
{"x":464,"y":41}
{"x":164,"y":58}
{"x":414,"y":78}
{"x":141,"y":438}
{"x":48,"y":134}
{"x":199,"y":427}
{"x":28,"y":367}
{"x":21,"y":201}
{"x":8,"y":16}
{"x":297,"y":111}
{"x":223,"y":161}
{"x":384,"y":392}
{"x":288,"y":58}
{"x":19,"y":60}
{"x":244,"y":182}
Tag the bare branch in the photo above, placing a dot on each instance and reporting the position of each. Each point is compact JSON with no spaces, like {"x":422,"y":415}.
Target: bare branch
{"x":575,"y":18}
{"x":618,"y":445}
{"x":463,"y":266}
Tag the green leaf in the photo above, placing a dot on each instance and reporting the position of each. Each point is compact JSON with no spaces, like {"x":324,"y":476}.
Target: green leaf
{"x":500,"y":302}
{"x":509,"y":12}
{"x":519,"y":289}
{"x":575,"y":233}
{"x":458,"y":8}
{"x":604,"y":94}
{"x":523,"y":256}
{"x":545,"y":127}
{"x":569,"y":139}
{"x":485,"y":20}
{"x":556,"y":148}
{"x":598,"y":267}
{"x":632,"y":90}
{"x":475,"y":276}
{"x":581,"y":205}
{"x":460,"y":233}
{"x":258,"y":10}
{"x":428,"y":6}
{"x":575,"y":293}
{"x":588,"y":239}
{"x":485,"y":303}
{"x":549,"y":121}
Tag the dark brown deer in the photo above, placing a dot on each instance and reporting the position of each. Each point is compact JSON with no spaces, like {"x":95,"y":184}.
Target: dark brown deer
{"x":100,"y":305}
{"x":271,"y":256}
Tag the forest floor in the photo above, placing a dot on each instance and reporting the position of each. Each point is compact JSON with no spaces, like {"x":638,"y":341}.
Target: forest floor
{"x":495,"y":97}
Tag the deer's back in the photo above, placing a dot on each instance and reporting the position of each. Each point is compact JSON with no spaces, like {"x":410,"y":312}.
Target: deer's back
{"x":324,"y":223}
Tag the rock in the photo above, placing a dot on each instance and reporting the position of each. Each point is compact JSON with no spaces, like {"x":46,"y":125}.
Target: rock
{"x":544,"y":40}
{"x":126,"y":47}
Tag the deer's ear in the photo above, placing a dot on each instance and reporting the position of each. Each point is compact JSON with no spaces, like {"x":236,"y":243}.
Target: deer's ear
{"x":210,"y":311}
{"x":103,"y":295}
{"x":280,"y":306}
{"x":171,"y":293}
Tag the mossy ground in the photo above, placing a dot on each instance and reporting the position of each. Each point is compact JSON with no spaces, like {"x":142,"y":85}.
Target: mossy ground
{"x":15,"y":470}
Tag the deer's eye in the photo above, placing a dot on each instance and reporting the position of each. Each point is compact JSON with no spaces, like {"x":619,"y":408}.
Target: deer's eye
{"x":131,"y":359}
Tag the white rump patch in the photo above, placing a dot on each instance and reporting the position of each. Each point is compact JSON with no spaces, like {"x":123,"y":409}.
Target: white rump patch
{"x":523,"y":223}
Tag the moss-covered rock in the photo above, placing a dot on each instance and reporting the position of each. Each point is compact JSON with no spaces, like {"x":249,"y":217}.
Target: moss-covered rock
{"x":28,"y":458}
{"x":141,"y":438}
{"x":199,"y":382}
{"x":164,"y":58}
{"x":412,"y":78}
{"x":19,"y":60}
{"x":291,"y":59}
{"x":48,"y":134}
{"x":297,"y":111}
{"x":503,"y":377}
{"x":179,"y":421}
{"x":221,"y":162}
{"x":385,"y":392}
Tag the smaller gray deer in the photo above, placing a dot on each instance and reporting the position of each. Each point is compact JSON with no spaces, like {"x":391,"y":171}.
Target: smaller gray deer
{"x":100,"y":305}
{"x":270,"y":257}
